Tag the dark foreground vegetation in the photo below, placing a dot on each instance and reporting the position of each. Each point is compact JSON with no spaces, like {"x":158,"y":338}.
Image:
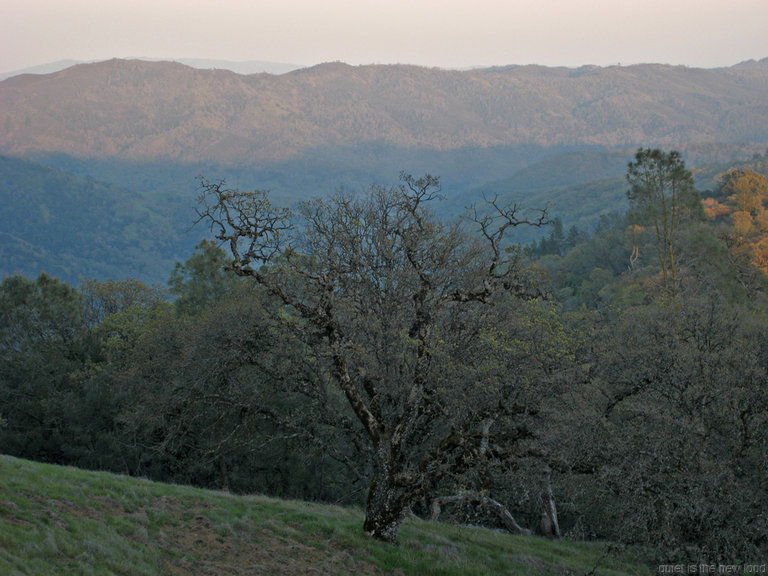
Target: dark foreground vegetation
{"x":608,"y":386}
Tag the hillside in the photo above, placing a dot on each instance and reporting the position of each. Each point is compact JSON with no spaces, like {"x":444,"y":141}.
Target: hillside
{"x":119,"y":144}
{"x":109,"y":219}
{"x":149,"y":110}
{"x":56,"y":520}
{"x":76,"y":228}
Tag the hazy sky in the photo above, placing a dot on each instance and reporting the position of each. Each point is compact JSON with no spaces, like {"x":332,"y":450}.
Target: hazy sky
{"x":447,"y":33}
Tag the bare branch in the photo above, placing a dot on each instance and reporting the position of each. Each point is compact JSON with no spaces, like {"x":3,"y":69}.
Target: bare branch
{"x":245,"y":221}
{"x":376,"y":282}
{"x":494,"y":506}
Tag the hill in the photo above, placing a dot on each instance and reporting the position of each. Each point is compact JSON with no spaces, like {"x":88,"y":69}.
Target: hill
{"x":130,"y":137}
{"x":149,"y":110}
{"x":47,"y":68}
{"x":77,"y":227}
{"x":57,"y":520}
{"x":577,"y":187}
{"x":238,"y":66}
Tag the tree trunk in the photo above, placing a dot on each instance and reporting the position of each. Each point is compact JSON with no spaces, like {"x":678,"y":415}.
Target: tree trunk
{"x":385,"y":508}
{"x":550,"y":527}
{"x":223,"y":474}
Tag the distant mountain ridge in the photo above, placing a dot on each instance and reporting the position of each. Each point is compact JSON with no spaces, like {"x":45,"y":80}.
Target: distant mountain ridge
{"x":99,"y":162}
{"x":238,"y":66}
{"x":48,"y":68}
{"x":134,"y":109}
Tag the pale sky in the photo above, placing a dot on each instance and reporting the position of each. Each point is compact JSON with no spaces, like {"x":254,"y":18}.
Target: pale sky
{"x":445,"y":33}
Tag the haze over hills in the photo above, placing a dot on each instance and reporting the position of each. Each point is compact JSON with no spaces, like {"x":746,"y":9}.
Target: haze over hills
{"x":240,"y":67}
{"x":47,"y":68}
{"x":559,"y":137}
{"x":148,"y":110}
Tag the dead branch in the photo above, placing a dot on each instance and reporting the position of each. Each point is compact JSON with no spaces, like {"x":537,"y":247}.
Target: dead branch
{"x":493,"y":506}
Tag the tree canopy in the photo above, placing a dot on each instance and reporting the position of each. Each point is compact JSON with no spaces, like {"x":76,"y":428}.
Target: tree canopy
{"x":391,"y":301}
{"x":360,"y":343}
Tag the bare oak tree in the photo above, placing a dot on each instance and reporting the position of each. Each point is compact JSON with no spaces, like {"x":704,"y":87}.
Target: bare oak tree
{"x":396,"y":303}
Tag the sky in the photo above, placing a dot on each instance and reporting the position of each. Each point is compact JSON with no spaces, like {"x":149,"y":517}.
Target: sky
{"x":444,"y":33}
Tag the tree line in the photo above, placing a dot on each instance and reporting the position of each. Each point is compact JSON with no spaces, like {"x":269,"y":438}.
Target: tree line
{"x":362,"y":350}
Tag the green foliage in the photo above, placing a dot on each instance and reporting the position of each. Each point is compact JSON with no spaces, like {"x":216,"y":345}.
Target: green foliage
{"x":590,"y":271}
{"x":60,"y":348}
{"x":661,"y":187}
{"x":201,"y":281}
{"x":663,"y":199}
{"x":669,"y":416}
{"x":204,"y":393}
{"x":42,"y":344}
{"x":109,"y":297}
{"x":119,"y":311}
{"x":648,"y":412}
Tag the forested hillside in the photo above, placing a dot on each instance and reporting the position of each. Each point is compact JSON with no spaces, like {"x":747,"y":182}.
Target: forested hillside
{"x":77,"y":228}
{"x":68,"y":218}
{"x":147,"y":110}
{"x":544,"y":325}
{"x":366,"y":350}
{"x":136,"y":135}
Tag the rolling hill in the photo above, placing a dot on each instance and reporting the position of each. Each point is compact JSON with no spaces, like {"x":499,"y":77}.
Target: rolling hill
{"x":57,"y":520}
{"x":149,"y":110}
{"x":75,"y":228}
{"x":135,"y":135}
{"x":238,"y":66}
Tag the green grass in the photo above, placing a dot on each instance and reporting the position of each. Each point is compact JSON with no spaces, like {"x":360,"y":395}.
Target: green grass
{"x":60,"y":520}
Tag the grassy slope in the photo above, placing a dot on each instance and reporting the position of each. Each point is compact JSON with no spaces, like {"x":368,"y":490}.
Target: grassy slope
{"x":58,"y":520}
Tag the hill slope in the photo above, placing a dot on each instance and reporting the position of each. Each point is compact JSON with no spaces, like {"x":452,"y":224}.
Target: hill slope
{"x":149,"y":110}
{"x":56,"y":520}
{"x":127,"y":139}
{"x":76,"y":228}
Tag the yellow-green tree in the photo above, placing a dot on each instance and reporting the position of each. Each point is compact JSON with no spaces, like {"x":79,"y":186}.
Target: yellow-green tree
{"x":746,"y":193}
{"x":747,"y":190}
